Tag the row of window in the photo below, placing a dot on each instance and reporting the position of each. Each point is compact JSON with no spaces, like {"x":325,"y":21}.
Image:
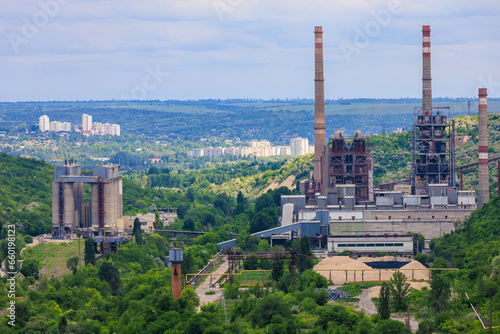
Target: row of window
{"x":372,"y":245}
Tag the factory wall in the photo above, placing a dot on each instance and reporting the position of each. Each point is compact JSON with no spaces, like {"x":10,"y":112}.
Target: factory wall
{"x":429,"y":229}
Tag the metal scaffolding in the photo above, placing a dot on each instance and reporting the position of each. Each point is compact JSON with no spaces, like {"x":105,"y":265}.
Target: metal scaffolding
{"x":433,"y":150}
{"x":350,"y":164}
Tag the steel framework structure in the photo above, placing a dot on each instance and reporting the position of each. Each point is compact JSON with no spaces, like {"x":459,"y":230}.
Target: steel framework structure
{"x":350,"y":165}
{"x":433,"y":150}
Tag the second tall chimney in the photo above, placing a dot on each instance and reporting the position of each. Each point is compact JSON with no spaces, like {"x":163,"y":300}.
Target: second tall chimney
{"x":319,"y":104}
{"x":426,"y":71}
{"x":484,"y":179}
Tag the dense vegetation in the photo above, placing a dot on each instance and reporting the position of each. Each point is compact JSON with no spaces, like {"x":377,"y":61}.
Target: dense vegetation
{"x":474,"y":249}
{"x":130,"y":292}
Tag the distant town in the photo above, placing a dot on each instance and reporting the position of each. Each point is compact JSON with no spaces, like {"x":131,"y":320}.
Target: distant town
{"x":88,"y":128}
{"x":258,"y":148}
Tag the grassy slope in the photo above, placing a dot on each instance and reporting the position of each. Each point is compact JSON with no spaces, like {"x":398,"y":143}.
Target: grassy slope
{"x":53,"y":256}
{"x":255,"y":185}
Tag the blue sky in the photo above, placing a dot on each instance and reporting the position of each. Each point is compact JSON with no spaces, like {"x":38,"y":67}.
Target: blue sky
{"x":195,"y":49}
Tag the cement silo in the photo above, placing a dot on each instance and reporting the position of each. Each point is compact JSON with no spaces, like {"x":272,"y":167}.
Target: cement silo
{"x":106,"y":204}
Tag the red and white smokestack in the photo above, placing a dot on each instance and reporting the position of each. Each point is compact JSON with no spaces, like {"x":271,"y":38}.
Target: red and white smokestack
{"x":426,"y":71}
{"x":484,"y":180}
{"x":319,"y":104}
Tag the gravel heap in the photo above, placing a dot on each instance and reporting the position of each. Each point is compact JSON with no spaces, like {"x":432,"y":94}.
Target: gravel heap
{"x":335,"y":294}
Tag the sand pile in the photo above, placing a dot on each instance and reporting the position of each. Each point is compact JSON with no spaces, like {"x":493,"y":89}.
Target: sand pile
{"x":375,"y":291}
{"x":341,"y":269}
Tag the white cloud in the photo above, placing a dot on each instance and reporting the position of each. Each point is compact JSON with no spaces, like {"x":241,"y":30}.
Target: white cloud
{"x":97,"y":49}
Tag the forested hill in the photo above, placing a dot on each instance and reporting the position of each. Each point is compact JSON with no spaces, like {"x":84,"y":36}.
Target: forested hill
{"x":473,"y":249}
{"x":25,"y":193}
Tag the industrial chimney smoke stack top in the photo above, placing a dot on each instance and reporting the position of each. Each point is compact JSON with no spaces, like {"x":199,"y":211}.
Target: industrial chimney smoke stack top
{"x":319,"y":104}
{"x":426,"y":71}
{"x":483,"y":191}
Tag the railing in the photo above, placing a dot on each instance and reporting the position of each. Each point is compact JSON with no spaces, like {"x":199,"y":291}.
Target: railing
{"x":207,"y":269}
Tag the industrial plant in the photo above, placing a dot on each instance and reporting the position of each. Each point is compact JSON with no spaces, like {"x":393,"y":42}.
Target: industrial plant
{"x":339,"y":205}
{"x":69,"y":211}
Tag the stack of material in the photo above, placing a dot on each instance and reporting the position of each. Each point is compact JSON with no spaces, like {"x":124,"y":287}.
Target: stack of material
{"x":335,"y":263}
{"x":342,"y":269}
{"x":335,"y":294}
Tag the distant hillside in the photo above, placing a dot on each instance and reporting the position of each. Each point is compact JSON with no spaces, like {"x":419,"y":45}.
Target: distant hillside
{"x":392,"y":153}
{"x":391,"y":157}
{"x":25,"y":194}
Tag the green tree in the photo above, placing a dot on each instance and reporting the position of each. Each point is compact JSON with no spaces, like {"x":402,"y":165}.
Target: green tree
{"x":241,"y":203}
{"x":89,"y":251}
{"x":137,"y":226}
{"x":391,"y":327}
{"x":109,"y":273}
{"x":261,"y":221}
{"x":305,"y":250}
{"x":72,"y":264}
{"x":264,"y":201}
{"x":383,"y":307}
{"x":63,"y":324}
{"x":157,"y":224}
{"x":270,"y":309}
{"x":182,"y":210}
{"x":138,"y":238}
{"x":29,"y":268}
{"x":188,"y":224}
{"x":223,"y":202}
{"x":188,"y":265}
{"x":399,"y":290}
{"x":438,"y":263}
{"x":440,"y":292}
{"x":28,"y":239}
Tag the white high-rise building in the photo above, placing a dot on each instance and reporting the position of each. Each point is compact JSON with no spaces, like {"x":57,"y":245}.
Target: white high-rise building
{"x":299,"y":146}
{"x":86,"y":123}
{"x":66,"y":126}
{"x":44,"y":123}
{"x":55,"y":126}
{"x":115,"y":130}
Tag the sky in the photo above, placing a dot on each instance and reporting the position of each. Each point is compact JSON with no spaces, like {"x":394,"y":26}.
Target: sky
{"x":222,"y":49}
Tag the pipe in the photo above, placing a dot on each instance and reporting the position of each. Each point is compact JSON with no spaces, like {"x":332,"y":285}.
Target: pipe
{"x":426,"y":71}
{"x":483,"y":191}
{"x":319,"y":105}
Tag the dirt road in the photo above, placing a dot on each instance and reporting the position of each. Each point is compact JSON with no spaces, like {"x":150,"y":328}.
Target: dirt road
{"x":367,"y":305}
{"x":205,"y":286}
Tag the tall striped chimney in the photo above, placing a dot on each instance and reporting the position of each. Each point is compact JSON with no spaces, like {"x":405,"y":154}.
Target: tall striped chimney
{"x":484,"y":179}
{"x":426,"y":71}
{"x":319,"y":104}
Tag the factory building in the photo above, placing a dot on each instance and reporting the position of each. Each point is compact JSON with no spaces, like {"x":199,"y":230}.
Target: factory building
{"x":342,"y":185}
{"x":368,"y":244}
{"x":70,"y":213}
{"x":339,"y":203}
